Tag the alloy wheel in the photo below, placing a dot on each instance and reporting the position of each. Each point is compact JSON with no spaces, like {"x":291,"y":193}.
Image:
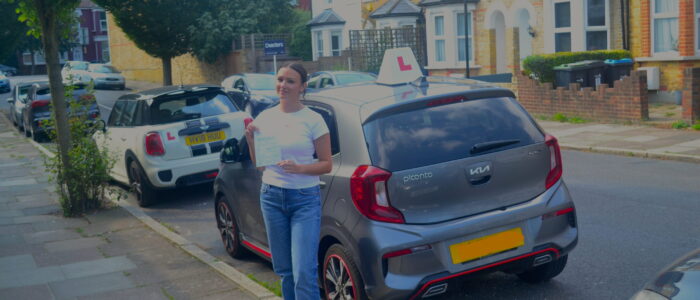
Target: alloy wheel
{"x":337,"y":280}
{"x":224,"y":222}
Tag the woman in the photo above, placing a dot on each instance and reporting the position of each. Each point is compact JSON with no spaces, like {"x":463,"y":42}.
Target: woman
{"x":290,"y":194}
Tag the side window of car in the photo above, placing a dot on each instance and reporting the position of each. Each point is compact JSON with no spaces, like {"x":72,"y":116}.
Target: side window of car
{"x":129,"y":114}
{"x":239,"y":84}
{"x":328,"y":116}
{"x":116,"y":114}
{"x":326,"y":81}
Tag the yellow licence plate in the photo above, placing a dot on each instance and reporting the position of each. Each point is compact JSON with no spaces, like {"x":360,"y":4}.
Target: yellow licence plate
{"x":205,"y":138}
{"x":487,"y":245}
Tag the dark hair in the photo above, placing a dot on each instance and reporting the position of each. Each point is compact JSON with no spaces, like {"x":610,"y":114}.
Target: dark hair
{"x":297,"y":67}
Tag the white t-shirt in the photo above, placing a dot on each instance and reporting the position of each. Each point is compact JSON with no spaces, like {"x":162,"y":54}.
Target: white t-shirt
{"x":295,"y":133}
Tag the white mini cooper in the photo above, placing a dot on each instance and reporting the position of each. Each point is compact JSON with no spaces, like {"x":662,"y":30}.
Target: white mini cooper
{"x":170,"y":137}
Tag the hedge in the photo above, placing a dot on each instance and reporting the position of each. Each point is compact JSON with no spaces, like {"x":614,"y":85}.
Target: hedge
{"x":542,"y":66}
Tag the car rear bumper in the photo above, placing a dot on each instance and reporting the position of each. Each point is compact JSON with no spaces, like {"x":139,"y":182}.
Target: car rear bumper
{"x":413,"y":275}
{"x":182,"y":172}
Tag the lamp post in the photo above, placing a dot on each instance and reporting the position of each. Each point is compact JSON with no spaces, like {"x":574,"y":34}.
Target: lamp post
{"x":466,"y":38}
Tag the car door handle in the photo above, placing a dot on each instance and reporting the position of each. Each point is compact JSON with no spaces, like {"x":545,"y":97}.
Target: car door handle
{"x":322,"y":184}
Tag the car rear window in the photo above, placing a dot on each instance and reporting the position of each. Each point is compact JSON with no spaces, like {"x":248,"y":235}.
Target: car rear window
{"x":190,"y":106}
{"x":438,"y":134}
{"x":352,"y":78}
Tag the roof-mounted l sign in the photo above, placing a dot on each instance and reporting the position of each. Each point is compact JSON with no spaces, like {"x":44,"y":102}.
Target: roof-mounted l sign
{"x":399,"y":66}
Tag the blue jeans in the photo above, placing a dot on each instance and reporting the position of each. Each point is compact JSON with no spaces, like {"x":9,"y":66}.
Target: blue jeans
{"x":293,"y":223}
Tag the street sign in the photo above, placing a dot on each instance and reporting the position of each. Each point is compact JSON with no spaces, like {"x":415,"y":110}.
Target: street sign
{"x":273,"y":47}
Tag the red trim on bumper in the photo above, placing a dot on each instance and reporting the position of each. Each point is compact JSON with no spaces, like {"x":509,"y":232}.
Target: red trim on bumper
{"x":429,"y":283}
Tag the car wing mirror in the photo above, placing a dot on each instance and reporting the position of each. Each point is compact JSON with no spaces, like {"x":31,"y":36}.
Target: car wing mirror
{"x":231,"y":152}
{"x":100,"y":125}
{"x":10,"y":100}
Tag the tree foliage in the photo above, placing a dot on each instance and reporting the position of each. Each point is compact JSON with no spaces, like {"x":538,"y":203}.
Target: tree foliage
{"x":222,"y":20}
{"x":301,"y":35}
{"x":12,"y":31}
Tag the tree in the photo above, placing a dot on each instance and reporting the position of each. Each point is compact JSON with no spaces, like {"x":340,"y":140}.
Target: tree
{"x":160,"y":28}
{"x":43,"y":18}
{"x":12,"y":31}
{"x":301,"y":35}
{"x":222,"y":20}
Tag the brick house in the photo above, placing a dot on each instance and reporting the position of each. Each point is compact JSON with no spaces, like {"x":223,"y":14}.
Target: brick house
{"x":664,"y":35}
{"x":503,"y":32}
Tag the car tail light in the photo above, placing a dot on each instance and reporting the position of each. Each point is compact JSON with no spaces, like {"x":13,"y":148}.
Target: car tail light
{"x":87,"y":97}
{"x":40,"y":103}
{"x":154,"y":144}
{"x":370,"y":196}
{"x":94,"y":114}
{"x":555,"y":167}
{"x":247,"y":122}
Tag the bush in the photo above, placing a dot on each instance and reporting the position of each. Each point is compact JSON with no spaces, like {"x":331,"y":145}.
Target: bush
{"x":696,"y":126}
{"x":542,"y":66}
{"x":680,"y":124}
{"x":83,"y":186}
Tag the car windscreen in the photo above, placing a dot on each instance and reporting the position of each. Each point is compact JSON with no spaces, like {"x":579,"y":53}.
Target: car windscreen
{"x":261,"y":82}
{"x":79,"y":66}
{"x":103,"y":69}
{"x":437,"y":134}
{"x":352,"y":78}
{"x":189,"y":106}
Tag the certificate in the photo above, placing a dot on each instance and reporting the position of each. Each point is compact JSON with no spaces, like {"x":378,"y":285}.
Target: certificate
{"x":267,"y":151}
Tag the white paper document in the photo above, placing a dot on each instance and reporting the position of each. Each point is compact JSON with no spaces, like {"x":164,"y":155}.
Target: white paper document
{"x":267,"y":151}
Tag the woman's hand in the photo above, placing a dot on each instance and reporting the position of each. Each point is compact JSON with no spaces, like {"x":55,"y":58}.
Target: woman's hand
{"x":250,"y":131}
{"x":290,"y":167}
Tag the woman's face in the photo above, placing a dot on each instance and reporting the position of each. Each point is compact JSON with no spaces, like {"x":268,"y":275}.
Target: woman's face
{"x":289,"y":86}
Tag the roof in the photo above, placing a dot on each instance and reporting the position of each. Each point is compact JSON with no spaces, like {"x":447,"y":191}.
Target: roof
{"x":442,"y":2}
{"x":327,"y":17}
{"x":396,"y":8}
{"x":157,"y":92}
{"x":87,"y":4}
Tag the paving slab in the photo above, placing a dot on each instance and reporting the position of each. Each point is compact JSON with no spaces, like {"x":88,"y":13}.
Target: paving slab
{"x":45,"y":258}
{"x":74,"y":244}
{"x":168,"y":264}
{"x":141,"y":293}
{"x":11,"y":213}
{"x":36,"y":219}
{"x":133,"y":240}
{"x":97,"y":267}
{"x":115,"y":219}
{"x":16,"y":229}
{"x":40,"y":291}
{"x":640,"y":138}
{"x":72,"y":288}
{"x":18,"y":182}
{"x":51,"y":209}
{"x":51,"y":236}
{"x":197,"y":286}
{"x":17,"y":263}
{"x":29,"y":277}
{"x":63,"y":223}
{"x":11,"y":239}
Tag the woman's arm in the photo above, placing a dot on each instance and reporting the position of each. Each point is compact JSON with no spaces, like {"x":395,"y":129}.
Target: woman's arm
{"x":324,"y":164}
{"x":250,"y":137}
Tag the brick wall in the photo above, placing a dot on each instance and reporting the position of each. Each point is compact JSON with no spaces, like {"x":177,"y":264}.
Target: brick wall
{"x":686,"y":30}
{"x":626,"y":101}
{"x":691,"y":95}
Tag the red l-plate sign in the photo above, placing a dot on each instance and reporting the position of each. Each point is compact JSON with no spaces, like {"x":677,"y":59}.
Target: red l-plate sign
{"x":402,"y":66}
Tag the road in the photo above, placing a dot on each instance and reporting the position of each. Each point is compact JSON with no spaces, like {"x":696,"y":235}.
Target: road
{"x":635,"y":216}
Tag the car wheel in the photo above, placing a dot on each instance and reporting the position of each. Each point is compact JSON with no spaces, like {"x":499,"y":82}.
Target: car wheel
{"x":26,"y":131}
{"x":228,"y":228}
{"x":544,"y":272}
{"x":122,"y":87}
{"x":35,"y":136}
{"x":340,"y":277}
{"x":145,"y":194}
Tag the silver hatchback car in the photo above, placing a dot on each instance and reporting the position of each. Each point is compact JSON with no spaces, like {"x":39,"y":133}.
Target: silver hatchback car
{"x":431,"y":181}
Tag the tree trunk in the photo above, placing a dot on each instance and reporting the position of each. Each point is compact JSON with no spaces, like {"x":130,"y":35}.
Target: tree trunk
{"x":49,"y":38}
{"x":33,"y":62}
{"x":167,"y":71}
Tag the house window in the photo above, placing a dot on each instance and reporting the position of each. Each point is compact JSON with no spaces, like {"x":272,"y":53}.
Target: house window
{"x":103,"y":21}
{"x":697,"y":24}
{"x":105,"y":51}
{"x":461,"y":54}
{"x":562,"y":26}
{"x":335,"y":43}
{"x":319,"y":44}
{"x":439,"y":38}
{"x":665,"y":26}
{"x":596,"y":25}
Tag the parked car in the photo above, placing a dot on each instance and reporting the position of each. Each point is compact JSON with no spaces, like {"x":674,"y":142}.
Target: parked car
{"x":326,"y":79}
{"x":37,"y":109}
{"x":4,"y":83}
{"x":102,"y":75}
{"x":7,"y":70}
{"x":680,"y":280}
{"x":253,"y":92}
{"x":169,"y":137}
{"x":18,"y":102}
{"x":73,"y":71}
{"x":430,"y":182}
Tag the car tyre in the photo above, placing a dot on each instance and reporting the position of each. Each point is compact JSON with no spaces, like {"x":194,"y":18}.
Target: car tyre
{"x":340,"y":276}
{"x":145,"y":194}
{"x":122,"y":87}
{"x":228,"y":229}
{"x":27,"y":133}
{"x":544,"y":273}
{"x":35,"y":136}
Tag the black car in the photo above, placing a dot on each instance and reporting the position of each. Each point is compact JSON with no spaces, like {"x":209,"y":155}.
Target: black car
{"x":37,"y":109}
{"x":253,"y":92}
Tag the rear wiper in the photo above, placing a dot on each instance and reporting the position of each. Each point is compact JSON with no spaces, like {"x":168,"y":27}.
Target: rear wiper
{"x":486,"y":146}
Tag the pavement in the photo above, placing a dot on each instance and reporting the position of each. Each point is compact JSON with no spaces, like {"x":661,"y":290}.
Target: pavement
{"x":119,"y":252}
